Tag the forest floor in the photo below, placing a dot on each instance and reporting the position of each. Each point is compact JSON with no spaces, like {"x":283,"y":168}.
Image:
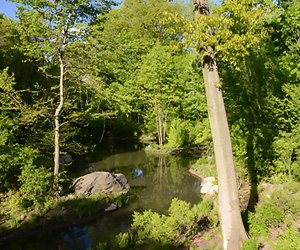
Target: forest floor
{"x":272,"y":221}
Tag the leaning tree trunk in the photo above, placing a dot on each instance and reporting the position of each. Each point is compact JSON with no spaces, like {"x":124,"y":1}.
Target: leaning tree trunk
{"x":233,"y":230}
{"x":57,"y":114}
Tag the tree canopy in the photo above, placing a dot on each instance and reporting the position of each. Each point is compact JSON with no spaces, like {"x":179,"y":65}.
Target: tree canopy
{"x":75,"y":72}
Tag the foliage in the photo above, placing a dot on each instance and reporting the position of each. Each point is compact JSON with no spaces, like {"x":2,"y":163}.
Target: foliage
{"x":124,"y":240}
{"x":200,"y":133}
{"x":48,"y":32}
{"x":177,"y":228}
{"x":252,"y":101}
{"x":145,"y":66}
{"x":36,"y":185}
{"x":287,"y":199}
{"x":205,"y":166}
{"x":160,"y":81}
{"x":37,"y":193}
{"x":286,"y":145}
{"x":286,"y":38}
{"x":100,"y":246}
{"x":42,"y":30}
{"x":13,"y":113}
{"x":133,"y":69}
{"x":251,"y":244}
{"x":178,"y":135}
{"x":277,"y":215}
{"x":290,"y":239}
{"x":187,"y":133}
{"x":53,"y":209}
{"x":267,"y":215}
{"x":238,"y":27}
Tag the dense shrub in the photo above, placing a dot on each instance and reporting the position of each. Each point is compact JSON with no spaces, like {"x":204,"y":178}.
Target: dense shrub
{"x":276,"y":216}
{"x":36,"y":185}
{"x":290,"y":239}
{"x":183,"y":222}
{"x":267,"y":215}
{"x":251,"y":244}
{"x":178,"y":135}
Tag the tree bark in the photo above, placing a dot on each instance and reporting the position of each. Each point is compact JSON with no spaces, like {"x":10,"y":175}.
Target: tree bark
{"x":57,"y":114}
{"x":233,"y":230}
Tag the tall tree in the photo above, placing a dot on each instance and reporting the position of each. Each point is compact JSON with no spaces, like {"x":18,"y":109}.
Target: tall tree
{"x":229,"y":210}
{"x":139,"y":55}
{"x":47,"y":28}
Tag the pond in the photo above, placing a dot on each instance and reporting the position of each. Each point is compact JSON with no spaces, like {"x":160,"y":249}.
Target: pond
{"x":158,"y":178}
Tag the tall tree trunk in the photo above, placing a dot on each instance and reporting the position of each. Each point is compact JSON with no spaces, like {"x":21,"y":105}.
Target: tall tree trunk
{"x":57,"y":114}
{"x":233,"y":230}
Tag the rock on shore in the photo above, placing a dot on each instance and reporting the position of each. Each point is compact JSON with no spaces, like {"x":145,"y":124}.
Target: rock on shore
{"x":101,"y":182}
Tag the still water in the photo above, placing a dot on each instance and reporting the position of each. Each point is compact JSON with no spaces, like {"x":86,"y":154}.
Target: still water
{"x":159,"y":178}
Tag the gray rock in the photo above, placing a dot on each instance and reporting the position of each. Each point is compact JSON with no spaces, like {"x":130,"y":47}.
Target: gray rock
{"x":111,"y":207}
{"x":101,"y":182}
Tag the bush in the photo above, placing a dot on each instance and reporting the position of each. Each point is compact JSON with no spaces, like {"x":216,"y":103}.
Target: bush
{"x":276,"y":216}
{"x":12,"y":159}
{"x":290,"y":239}
{"x":287,"y":199}
{"x":178,"y":135}
{"x":267,"y":215}
{"x":251,"y":244}
{"x":36,"y":184}
{"x":205,"y":166}
{"x":124,"y":240}
{"x":182,"y":223}
{"x":37,"y":189}
{"x":200,"y":133}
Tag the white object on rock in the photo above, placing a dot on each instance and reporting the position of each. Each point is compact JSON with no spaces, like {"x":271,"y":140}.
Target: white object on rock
{"x":208,"y":187}
{"x":111,"y":207}
{"x":215,"y":188}
{"x":209,"y":179}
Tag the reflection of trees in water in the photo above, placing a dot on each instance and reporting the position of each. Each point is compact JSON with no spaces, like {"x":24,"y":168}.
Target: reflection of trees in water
{"x":162,"y":172}
{"x":165,"y":177}
{"x":168,"y":171}
{"x":176,"y":173}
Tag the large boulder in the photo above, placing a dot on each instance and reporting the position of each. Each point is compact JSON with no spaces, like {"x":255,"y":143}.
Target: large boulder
{"x":101,"y":182}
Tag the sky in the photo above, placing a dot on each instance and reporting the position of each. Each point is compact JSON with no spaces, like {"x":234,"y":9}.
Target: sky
{"x":8,"y":8}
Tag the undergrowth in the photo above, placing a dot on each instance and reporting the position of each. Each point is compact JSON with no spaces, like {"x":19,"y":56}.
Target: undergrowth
{"x":179,"y":227}
{"x":274,"y":222}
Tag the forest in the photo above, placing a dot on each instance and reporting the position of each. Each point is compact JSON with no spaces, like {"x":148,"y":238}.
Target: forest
{"x":216,"y":80}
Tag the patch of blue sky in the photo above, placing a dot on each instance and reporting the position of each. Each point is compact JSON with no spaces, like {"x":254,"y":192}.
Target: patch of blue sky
{"x":8,"y":8}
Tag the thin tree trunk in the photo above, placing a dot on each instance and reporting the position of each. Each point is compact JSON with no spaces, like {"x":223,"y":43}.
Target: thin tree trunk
{"x":160,"y":128}
{"x":57,"y":115}
{"x":233,"y":230}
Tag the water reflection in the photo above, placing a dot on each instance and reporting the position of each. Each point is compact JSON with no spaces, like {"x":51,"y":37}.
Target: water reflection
{"x":160,"y":178}
{"x":137,"y":172}
{"x":78,"y":238}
